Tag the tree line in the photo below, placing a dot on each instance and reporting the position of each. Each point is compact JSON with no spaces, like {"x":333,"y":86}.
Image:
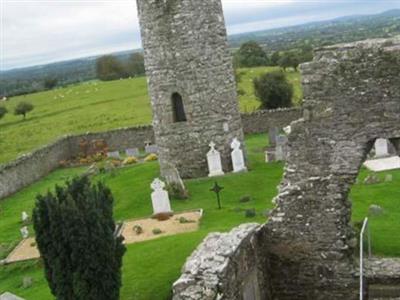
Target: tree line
{"x":109,"y":67}
{"x":251,"y":54}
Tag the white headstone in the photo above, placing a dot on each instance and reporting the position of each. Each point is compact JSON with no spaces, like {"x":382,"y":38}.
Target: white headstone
{"x":160,"y":198}
{"x":381,"y":148}
{"x":237,"y":157}
{"x":24,"y":232}
{"x":214,"y":162}
{"x":114,"y":154}
{"x":132,"y":152}
{"x":24,"y":216}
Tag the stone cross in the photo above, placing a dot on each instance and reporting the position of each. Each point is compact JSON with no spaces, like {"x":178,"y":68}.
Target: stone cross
{"x":237,"y":157}
{"x":160,"y":198}
{"x":214,"y":162}
{"x":24,"y":232}
{"x":381,"y":148}
{"x":217,"y":189}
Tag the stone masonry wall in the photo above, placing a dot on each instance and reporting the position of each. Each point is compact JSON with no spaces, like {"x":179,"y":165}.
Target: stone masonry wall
{"x":226,"y":266}
{"x":352,"y":97}
{"x":261,"y":121}
{"x":31,"y":167}
{"x":186,"y":52}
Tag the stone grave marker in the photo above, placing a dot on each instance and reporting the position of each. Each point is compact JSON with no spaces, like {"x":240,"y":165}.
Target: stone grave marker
{"x":175,"y":181}
{"x":9,"y":296}
{"x":273,"y":132}
{"x":237,"y":157}
{"x":132,"y":152}
{"x":381,"y":148}
{"x":24,"y":217}
{"x":160,"y":198}
{"x":151,"y":149}
{"x":24,"y":232}
{"x":214,"y":162}
{"x":281,"y":147}
{"x":114,"y":154}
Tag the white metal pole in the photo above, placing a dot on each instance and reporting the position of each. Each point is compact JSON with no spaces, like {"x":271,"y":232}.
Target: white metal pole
{"x":361,"y":259}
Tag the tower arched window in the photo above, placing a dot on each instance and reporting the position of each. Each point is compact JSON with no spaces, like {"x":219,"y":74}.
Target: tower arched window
{"x":178,"y":108}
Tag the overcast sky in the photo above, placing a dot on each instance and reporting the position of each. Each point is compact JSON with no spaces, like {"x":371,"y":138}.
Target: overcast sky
{"x":36,"y":32}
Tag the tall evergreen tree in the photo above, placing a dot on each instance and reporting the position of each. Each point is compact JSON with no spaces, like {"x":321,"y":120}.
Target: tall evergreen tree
{"x":78,"y":241}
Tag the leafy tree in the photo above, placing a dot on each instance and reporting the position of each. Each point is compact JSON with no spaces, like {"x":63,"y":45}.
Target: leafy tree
{"x":109,"y":67}
{"x":273,"y":90}
{"x":3,"y":111}
{"x":275,"y":58}
{"x":136,"y":64}
{"x":50,"y":83}
{"x":251,"y":55}
{"x":289,"y":59}
{"x":78,"y":241}
{"x":23,"y":108}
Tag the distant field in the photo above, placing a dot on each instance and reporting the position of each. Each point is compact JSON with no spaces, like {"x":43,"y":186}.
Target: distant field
{"x":92,"y":106}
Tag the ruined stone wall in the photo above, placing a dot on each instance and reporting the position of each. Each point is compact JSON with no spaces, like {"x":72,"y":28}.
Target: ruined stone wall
{"x":31,"y":167}
{"x":352,"y":97}
{"x":260,"y":121}
{"x":226,"y":266}
{"x":186,"y":52}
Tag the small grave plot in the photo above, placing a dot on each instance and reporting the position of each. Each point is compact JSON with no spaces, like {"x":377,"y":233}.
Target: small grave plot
{"x":134,"y":231}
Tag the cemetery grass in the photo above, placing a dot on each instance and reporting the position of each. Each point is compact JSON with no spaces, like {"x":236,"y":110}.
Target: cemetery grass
{"x":92,"y":106}
{"x":151,"y":267}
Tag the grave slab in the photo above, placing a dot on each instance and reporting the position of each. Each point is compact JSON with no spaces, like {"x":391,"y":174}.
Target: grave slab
{"x":383,"y":164}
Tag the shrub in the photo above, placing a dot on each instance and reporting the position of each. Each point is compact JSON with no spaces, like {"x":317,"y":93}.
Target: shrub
{"x":273,"y":90}
{"x":245,"y":199}
{"x":23,"y":108}
{"x":183,"y":220}
{"x":130,"y":160}
{"x":156,"y":231}
{"x":138,"y":229}
{"x":78,"y":241}
{"x":151,"y":157}
{"x":3,"y":111}
{"x":250,"y":213}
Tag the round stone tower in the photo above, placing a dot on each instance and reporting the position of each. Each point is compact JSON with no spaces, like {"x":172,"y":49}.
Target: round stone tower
{"x":191,"y":82}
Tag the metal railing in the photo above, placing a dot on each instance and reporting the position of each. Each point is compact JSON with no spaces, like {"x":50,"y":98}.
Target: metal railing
{"x":364,"y":227}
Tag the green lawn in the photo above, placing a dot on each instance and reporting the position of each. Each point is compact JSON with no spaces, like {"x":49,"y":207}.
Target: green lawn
{"x":91,"y":106}
{"x":248,"y":101}
{"x":151,"y":267}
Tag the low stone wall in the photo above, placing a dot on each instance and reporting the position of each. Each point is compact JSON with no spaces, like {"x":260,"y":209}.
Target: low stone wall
{"x":29,"y":168}
{"x":226,"y":266}
{"x":261,"y":121}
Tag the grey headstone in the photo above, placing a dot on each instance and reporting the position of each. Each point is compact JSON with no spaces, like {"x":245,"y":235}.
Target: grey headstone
{"x":151,"y":149}
{"x":375,"y":210}
{"x":132,"y":152}
{"x":173,"y":179}
{"x":113,"y":154}
{"x":272,"y":135}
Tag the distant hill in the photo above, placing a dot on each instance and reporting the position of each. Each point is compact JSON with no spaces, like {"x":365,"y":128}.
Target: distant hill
{"x":316,"y":34}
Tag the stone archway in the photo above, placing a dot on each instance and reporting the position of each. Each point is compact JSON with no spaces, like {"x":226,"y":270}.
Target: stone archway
{"x":352,"y":97}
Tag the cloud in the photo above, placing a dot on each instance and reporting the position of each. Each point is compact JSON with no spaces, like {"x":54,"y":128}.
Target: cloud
{"x":41,"y":31}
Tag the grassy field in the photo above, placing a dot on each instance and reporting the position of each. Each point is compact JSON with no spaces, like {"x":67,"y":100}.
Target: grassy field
{"x":91,"y":106}
{"x":151,"y":267}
